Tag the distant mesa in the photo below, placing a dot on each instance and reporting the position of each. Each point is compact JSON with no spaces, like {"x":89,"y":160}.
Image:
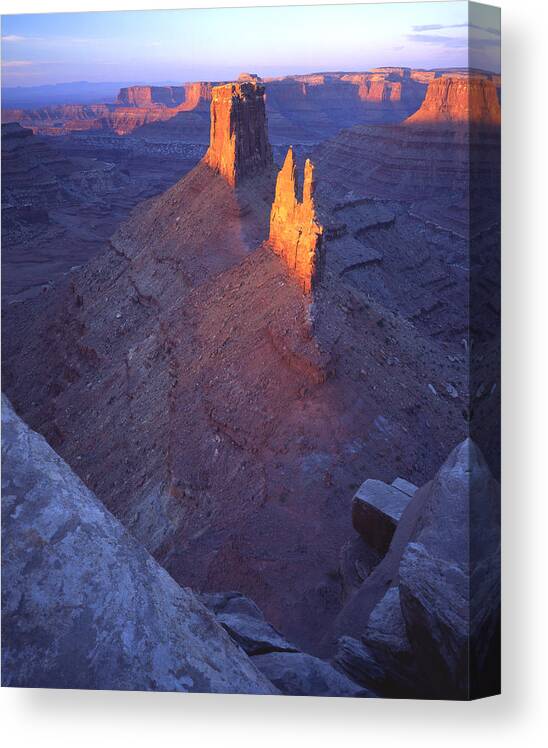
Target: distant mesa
{"x":238,"y":143}
{"x":295,"y":233}
{"x":249,"y":77}
{"x":461,"y":99}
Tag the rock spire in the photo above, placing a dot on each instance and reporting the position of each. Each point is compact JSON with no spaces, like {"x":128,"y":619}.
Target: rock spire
{"x":238,"y":143}
{"x":295,"y":233}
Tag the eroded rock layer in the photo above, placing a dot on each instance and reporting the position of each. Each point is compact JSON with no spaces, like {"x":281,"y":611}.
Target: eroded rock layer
{"x":464,"y":99}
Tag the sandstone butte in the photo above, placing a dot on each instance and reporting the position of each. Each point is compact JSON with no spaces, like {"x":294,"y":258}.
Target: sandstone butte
{"x":295,"y":233}
{"x":238,"y":143}
{"x":459,"y":99}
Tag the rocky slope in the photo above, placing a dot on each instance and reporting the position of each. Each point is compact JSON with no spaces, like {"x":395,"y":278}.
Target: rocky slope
{"x":225,"y":420}
{"x":63,"y":198}
{"x":83,"y":604}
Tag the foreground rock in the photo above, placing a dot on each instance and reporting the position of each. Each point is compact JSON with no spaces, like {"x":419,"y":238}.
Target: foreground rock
{"x":299,"y":674}
{"x":376,"y":510}
{"x":83,"y":604}
{"x":245,"y":623}
{"x":426,"y":621}
{"x":450,"y":574}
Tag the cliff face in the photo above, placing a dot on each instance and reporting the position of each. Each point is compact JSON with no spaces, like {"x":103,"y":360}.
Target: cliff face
{"x":183,"y":98}
{"x":300,"y":107}
{"x":238,"y":143}
{"x":295,"y":233}
{"x":459,"y":99}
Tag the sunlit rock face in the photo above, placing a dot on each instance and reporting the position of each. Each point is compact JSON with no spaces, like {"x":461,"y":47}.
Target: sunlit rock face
{"x":238,"y":143}
{"x":295,"y":233}
{"x":185,"y":97}
{"x":460,"y":99}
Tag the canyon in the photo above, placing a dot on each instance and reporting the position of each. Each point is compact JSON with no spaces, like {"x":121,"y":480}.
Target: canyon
{"x":240,"y":354}
{"x":302,"y":108}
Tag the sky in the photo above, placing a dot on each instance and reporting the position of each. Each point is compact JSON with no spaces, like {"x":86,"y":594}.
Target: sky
{"x":217,"y":44}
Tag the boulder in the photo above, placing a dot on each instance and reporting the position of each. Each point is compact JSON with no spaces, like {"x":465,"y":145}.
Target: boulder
{"x":383,"y":659}
{"x":449,"y":577}
{"x":404,"y":485}
{"x":299,"y":674}
{"x":376,"y":510}
{"x":245,"y":623}
{"x":83,"y":604}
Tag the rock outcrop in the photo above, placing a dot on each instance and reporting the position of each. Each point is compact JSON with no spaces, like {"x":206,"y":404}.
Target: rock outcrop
{"x":83,"y":604}
{"x":450,"y":575}
{"x":459,"y":99}
{"x":295,"y":232}
{"x":238,"y":143}
{"x":300,"y":674}
{"x":376,"y":510}
{"x":245,"y":623}
{"x":426,"y":621}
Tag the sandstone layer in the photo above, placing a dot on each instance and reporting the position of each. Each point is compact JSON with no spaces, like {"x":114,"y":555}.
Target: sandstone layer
{"x":238,"y":142}
{"x":295,"y":232}
{"x":301,"y":108}
{"x":459,"y":99}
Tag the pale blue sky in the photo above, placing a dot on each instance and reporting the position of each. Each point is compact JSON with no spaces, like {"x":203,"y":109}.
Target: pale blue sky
{"x":217,"y":44}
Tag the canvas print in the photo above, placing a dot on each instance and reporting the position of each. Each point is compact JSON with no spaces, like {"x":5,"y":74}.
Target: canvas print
{"x":251,"y":387}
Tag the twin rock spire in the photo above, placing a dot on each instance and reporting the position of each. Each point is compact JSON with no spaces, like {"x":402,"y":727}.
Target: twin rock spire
{"x":295,"y":233}
{"x":239,"y":148}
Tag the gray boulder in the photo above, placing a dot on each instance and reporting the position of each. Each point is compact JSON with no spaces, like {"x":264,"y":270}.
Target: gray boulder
{"x":376,"y":510}
{"x":449,"y":576}
{"x":299,"y":674}
{"x":83,"y":604}
{"x":383,"y":659}
{"x":245,"y":623}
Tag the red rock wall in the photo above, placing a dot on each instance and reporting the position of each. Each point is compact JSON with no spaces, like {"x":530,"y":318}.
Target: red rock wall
{"x":295,"y":233}
{"x":460,"y":99}
{"x":238,"y":143}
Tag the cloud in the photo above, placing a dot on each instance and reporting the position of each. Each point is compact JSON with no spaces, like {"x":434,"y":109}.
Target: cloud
{"x":439,"y":27}
{"x":429,"y":27}
{"x":13,"y":38}
{"x":16,"y":63}
{"x":453,"y":42}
